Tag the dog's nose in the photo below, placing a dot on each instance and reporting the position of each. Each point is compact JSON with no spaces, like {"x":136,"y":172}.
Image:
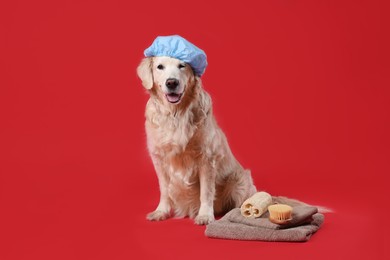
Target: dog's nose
{"x":172,"y":83}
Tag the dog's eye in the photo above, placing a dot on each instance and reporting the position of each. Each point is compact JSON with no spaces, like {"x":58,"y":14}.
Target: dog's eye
{"x":181,"y":65}
{"x":160,"y":67}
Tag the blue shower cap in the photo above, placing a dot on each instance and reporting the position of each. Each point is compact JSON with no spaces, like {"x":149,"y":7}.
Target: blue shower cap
{"x":177,"y":47}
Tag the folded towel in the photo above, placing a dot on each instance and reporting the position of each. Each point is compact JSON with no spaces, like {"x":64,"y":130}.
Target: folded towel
{"x":305,"y":222}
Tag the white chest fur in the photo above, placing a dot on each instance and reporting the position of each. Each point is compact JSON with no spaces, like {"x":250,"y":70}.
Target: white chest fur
{"x":169,"y":133}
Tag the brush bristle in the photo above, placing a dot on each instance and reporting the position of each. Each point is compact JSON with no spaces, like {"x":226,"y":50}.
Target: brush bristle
{"x":280,"y":213}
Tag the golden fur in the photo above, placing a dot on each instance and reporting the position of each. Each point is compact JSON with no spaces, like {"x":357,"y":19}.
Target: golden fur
{"x":197,"y":172}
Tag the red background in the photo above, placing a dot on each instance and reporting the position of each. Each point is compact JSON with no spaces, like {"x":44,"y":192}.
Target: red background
{"x":301,"y":89}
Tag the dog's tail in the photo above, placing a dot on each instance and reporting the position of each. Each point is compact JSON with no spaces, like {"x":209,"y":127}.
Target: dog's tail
{"x":294,"y":202}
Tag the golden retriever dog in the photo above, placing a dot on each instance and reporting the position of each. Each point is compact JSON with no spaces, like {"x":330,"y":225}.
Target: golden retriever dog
{"x":197,"y":173}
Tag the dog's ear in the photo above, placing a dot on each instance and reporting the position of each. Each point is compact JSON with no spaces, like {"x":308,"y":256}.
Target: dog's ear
{"x":205,"y":102}
{"x":144,"y":72}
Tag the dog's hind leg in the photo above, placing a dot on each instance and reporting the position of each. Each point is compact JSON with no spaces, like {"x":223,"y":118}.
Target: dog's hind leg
{"x":236,"y":189}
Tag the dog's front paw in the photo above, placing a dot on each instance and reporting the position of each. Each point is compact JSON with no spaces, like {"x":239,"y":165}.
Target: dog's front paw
{"x":157,"y":215}
{"x":204,"y":219}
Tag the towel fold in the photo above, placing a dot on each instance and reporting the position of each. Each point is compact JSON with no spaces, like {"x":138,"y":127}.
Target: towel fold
{"x":305,"y":222}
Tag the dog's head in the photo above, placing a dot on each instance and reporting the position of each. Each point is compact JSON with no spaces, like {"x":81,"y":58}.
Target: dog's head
{"x":168,"y":77}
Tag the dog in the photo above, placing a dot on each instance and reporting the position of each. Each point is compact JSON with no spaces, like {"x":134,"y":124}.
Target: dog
{"x":197,"y":173}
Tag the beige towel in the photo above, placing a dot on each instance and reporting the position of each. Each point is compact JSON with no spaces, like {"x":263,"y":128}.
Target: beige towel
{"x":305,"y":222}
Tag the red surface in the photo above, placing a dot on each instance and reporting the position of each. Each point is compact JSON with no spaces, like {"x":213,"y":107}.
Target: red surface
{"x":300,"y":88}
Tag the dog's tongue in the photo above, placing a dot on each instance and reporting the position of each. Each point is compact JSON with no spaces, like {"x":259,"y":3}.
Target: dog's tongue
{"x":173,"y":98}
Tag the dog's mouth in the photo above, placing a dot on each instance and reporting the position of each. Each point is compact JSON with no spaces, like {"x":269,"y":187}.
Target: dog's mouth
{"x":173,"y":98}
